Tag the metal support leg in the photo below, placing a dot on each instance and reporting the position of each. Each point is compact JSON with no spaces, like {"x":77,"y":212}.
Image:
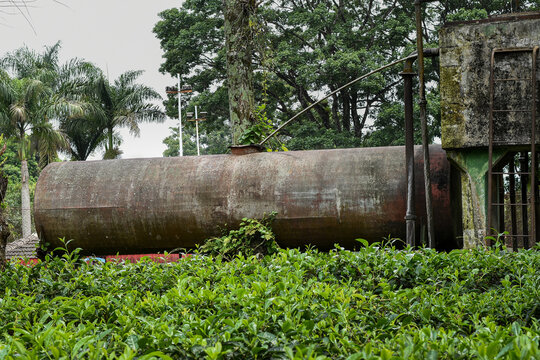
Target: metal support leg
{"x":410,"y":216}
{"x":524,"y":168}
{"x":513,"y":216}
{"x":501,"y":210}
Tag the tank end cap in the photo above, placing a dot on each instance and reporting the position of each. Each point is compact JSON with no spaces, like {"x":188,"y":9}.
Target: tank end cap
{"x":246,"y":149}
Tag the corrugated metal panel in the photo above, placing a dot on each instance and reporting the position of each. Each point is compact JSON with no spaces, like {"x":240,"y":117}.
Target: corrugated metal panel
{"x":23,"y":248}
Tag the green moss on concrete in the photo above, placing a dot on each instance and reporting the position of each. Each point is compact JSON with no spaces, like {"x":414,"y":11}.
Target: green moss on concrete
{"x":491,"y":29}
{"x":474,"y":164}
{"x":452,"y":117}
{"x":452,"y":126}
{"x":450,"y":84}
{"x":465,"y":73}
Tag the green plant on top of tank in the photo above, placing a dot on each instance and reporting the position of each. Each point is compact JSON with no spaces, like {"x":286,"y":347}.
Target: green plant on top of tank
{"x":253,"y":237}
{"x":259,"y":130}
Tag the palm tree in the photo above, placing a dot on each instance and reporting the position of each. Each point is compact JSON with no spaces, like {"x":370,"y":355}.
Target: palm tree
{"x":25,"y":109}
{"x":41,"y":89}
{"x":84,"y":134}
{"x":65,"y":79}
{"x":121,"y":104}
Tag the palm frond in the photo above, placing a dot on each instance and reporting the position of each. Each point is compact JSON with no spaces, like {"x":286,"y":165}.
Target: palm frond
{"x":85,"y":135}
{"x":33,"y":91}
{"x":128,"y":120}
{"x":127,"y":78}
{"x":60,"y":107}
{"x":47,"y":142}
{"x":18,"y":114}
{"x":21,"y":62}
{"x":51,"y":54}
{"x":7,"y":92}
{"x":113,"y":153}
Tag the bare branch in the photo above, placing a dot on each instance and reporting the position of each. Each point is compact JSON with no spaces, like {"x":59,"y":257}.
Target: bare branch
{"x":22,"y":7}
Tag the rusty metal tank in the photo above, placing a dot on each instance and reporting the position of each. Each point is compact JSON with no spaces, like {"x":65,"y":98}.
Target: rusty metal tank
{"x":321,"y":197}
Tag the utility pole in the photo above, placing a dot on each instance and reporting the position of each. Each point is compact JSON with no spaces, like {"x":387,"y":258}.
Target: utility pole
{"x":197,"y":129}
{"x":197,"y":119}
{"x":423,"y":120}
{"x":179,"y":90}
{"x":180,"y":138}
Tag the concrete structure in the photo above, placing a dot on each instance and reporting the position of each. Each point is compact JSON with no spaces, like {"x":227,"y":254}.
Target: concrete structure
{"x":465,"y":62}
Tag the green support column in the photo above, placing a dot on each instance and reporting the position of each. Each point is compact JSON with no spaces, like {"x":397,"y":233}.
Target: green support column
{"x":474,"y":164}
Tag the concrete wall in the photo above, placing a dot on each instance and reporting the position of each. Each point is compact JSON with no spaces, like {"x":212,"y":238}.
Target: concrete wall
{"x":465,"y":72}
{"x":465,"y":58}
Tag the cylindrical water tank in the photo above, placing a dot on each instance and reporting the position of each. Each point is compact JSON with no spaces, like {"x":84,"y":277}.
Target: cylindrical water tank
{"x":321,"y":197}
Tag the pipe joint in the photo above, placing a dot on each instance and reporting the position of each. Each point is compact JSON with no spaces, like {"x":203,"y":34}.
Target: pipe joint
{"x":408,"y":72}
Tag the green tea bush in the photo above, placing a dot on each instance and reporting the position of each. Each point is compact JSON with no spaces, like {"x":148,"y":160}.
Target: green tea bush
{"x":253,"y":237}
{"x":376,"y":303}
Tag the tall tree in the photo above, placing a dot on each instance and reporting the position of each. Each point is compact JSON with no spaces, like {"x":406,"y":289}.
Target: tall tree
{"x":314,"y":47}
{"x":4,"y":228}
{"x":123,"y":103}
{"x":39,"y":91}
{"x":239,"y":36}
{"x":84,"y":133}
{"x":26,"y":107}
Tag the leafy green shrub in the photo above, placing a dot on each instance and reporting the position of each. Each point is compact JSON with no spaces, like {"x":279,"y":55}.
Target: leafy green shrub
{"x":253,"y":237}
{"x":377,"y":303}
{"x":468,"y":14}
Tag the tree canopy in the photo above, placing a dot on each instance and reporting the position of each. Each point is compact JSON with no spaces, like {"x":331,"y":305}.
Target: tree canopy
{"x":304,"y":49}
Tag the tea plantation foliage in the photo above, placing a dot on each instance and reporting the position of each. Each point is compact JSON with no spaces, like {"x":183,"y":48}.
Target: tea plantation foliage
{"x":377,"y":303}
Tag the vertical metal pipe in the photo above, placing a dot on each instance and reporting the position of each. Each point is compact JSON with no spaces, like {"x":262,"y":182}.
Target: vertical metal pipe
{"x":197,"y":128}
{"x":423,"y":120}
{"x":180,"y":136}
{"x":513,"y":217}
{"x":501,"y":208}
{"x":410,"y":216}
{"x":533,"y":149}
{"x":536,"y":212}
{"x":490,"y":147}
{"x":524,"y":168}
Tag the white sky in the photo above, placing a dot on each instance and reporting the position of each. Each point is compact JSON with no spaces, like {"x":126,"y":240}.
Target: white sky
{"x":116,"y":35}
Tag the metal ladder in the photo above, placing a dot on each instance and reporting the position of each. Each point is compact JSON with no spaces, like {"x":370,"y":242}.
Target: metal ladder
{"x":526,"y":175}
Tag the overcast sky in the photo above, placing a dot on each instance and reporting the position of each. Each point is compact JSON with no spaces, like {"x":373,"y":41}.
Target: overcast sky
{"x":116,"y":35}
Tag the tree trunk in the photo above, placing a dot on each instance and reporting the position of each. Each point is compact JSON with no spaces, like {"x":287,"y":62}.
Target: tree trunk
{"x":110,"y":151}
{"x":25,"y":201}
{"x":239,"y":47}
{"x":346,"y":110}
{"x":335,"y":109}
{"x":4,"y":230}
{"x":355,"y":117}
{"x":111,"y":138}
{"x":324,"y":115}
